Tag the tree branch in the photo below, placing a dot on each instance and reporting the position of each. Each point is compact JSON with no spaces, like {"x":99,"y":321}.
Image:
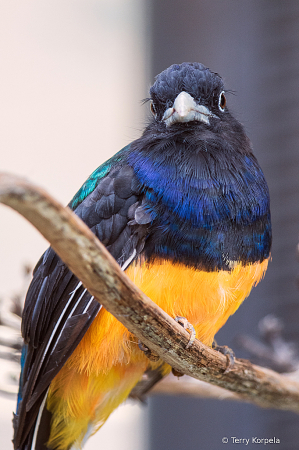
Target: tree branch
{"x":94,"y":266}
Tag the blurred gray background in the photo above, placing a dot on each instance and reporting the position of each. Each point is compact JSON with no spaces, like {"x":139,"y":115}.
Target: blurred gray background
{"x":72,"y":75}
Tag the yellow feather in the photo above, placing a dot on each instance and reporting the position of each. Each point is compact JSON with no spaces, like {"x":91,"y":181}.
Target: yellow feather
{"x":107,"y":363}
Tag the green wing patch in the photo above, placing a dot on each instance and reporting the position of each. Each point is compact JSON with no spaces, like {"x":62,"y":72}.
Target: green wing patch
{"x":94,"y":179}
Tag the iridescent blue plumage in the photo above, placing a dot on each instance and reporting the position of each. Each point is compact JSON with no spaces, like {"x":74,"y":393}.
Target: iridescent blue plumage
{"x":23,"y":359}
{"x":212,"y":202}
{"x":206,"y":199}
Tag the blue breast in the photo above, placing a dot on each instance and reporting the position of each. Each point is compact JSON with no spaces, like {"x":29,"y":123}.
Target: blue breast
{"x":211,"y":208}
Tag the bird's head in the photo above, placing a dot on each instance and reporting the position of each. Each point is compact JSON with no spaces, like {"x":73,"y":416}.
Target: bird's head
{"x":187,"y":92}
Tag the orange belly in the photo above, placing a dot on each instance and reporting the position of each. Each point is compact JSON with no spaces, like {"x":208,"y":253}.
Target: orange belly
{"x":107,"y":363}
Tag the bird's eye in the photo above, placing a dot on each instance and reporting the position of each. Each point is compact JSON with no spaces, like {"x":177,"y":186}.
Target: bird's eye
{"x":153,"y":109}
{"x":222,"y":101}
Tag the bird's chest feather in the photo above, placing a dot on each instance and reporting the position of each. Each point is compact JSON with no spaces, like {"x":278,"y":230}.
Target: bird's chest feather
{"x":209,"y":208}
{"x":206,"y":299}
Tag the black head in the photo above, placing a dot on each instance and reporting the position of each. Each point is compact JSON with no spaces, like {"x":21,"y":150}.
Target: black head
{"x":187,"y":92}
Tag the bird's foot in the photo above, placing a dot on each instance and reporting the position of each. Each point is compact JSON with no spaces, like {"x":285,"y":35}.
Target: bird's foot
{"x":152,"y":356}
{"x":176,"y":373}
{"x":187,"y":326}
{"x":228,"y":352}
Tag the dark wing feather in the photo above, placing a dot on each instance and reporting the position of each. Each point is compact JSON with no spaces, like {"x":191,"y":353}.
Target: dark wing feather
{"x":58,"y":310}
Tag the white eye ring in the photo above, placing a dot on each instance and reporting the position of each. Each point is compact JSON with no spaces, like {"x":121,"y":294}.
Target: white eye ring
{"x":153,"y":109}
{"x":222,"y":101}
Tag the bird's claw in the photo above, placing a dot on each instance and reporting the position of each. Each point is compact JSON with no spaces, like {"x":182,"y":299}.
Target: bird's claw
{"x":228,"y":352}
{"x":176,"y":373}
{"x":187,"y":326}
{"x":148,"y":353}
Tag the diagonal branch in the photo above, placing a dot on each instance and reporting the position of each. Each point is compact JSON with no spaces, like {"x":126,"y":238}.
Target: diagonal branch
{"x":94,"y":266}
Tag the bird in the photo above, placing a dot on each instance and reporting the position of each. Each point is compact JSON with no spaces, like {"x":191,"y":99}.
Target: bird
{"x":185,"y":211}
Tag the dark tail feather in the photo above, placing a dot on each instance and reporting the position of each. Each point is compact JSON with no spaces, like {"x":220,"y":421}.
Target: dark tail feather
{"x":43,"y":430}
{"x":40,"y":431}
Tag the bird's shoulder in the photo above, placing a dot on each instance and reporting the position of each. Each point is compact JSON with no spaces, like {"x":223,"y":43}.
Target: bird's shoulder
{"x":98,"y":175}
